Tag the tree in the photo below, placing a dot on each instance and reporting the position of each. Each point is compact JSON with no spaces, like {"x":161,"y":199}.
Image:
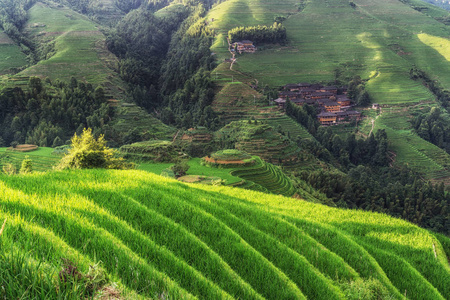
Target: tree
{"x":27,"y":166}
{"x":180,"y":168}
{"x":88,"y":152}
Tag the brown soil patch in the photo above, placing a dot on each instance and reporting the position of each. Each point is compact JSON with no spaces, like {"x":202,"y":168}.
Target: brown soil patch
{"x":74,"y":33}
{"x":197,"y":179}
{"x":223,"y":162}
{"x":24,"y":148}
{"x":109,"y":293}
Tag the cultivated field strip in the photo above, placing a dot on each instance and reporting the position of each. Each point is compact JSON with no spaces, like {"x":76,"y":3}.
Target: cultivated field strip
{"x":157,"y":237}
{"x":267,"y":176}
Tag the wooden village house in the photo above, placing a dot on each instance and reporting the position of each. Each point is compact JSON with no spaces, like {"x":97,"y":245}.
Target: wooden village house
{"x":334,"y":107}
{"x":245,"y":46}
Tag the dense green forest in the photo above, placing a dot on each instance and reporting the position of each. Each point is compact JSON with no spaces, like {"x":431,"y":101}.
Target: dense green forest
{"x":259,"y":34}
{"x":47,"y":114}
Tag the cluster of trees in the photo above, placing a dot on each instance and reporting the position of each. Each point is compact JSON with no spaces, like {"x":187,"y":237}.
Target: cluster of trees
{"x":350,"y":151}
{"x":141,"y":42}
{"x":47,"y":114}
{"x":186,"y":84}
{"x":397,"y":192}
{"x":433,"y":126}
{"x":88,"y":152}
{"x":275,"y":33}
{"x":357,"y":92}
{"x":167,"y":63}
{"x":305,"y":115}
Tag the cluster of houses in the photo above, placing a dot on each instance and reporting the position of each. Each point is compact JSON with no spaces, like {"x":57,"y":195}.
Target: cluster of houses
{"x":335,"y":108}
{"x":245,"y":46}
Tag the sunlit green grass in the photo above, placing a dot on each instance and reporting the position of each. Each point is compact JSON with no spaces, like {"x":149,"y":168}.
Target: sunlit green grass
{"x":78,"y":43}
{"x":11,"y":55}
{"x":156,"y":236}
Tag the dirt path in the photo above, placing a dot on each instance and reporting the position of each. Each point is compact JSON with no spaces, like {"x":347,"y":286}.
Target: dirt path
{"x":373,"y":123}
{"x":224,"y":162}
{"x":233,"y":58}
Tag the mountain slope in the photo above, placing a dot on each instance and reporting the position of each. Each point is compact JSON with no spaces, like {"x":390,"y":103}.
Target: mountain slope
{"x":11,"y":56}
{"x":162,"y":238}
{"x":377,"y":40}
{"x":75,"y":46}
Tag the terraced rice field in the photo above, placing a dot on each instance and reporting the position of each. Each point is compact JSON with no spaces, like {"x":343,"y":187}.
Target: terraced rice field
{"x":79,"y":46}
{"x":378,"y":40}
{"x":270,"y":177}
{"x":158,"y":238}
{"x":42,"y":159}
{"x":420,"y":155}
{"x":130,"y":116}
{"x":289,"y":125}
{"x":11,"y":56}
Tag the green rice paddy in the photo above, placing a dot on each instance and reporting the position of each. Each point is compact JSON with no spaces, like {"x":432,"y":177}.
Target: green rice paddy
{"x":79,"y":45}
{"x":377,"y":40}
{"x":158,"y":238}
{"x":11,"y":56}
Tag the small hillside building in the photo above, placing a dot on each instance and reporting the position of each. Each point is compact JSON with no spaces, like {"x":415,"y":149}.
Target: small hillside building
{"x":245,"y":46}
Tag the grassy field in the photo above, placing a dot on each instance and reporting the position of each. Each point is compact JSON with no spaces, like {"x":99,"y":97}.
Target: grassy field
{"x":158,"y":238}
{"x":375,"y":40}
{"x":378,"y":40}
{"x":79,"y":46}
{"x":11,"y":56}
{"x":41,"y":159}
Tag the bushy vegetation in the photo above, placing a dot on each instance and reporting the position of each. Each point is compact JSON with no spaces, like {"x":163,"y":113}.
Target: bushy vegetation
{"x":275,"y":33}
{"x":49,"y":111}
{"x":87,"y":152}
{"x":269,"y":246}
{"x":230,"y":154}
{"x":157,"y":151}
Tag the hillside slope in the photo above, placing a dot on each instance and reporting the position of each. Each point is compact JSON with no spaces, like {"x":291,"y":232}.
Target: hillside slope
{"x":377,"y":40}
{"x":164,"y":239}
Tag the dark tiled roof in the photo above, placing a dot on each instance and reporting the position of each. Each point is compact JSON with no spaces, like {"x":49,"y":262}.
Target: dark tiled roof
{"x":327,"y":114}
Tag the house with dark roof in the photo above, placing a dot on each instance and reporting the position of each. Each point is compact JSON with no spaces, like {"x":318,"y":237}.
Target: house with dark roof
{"x":245,"y":46}
{"x":331,"y":89}
{"x":327,"y":118}
{"x":321,"y":95}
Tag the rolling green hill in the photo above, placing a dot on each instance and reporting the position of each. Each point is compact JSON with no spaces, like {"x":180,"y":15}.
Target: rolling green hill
{"x":75,"y":45}
{"x":377,"y":40}
{"x":158,"y":238}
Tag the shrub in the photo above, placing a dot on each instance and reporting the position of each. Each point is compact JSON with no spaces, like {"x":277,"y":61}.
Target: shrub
{"x":27,"y":166}
{"x":88,"y":152}
{"x":9,"y":169}
{"x":180,"y":168}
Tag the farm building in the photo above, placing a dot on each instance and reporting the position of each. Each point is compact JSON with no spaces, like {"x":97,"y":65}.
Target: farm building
{"x":245,"y":46}
{"x":334,"y":107}
{"x":330,"y":89}
{"x":327,"y":118}
{"x":343,"y":100}
{"x":331,"y":106}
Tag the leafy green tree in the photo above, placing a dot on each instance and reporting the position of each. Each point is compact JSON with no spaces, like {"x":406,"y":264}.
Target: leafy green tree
{"x":180,"y":168}
{"x":27,"y":166}
{"x":88,"y":152}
